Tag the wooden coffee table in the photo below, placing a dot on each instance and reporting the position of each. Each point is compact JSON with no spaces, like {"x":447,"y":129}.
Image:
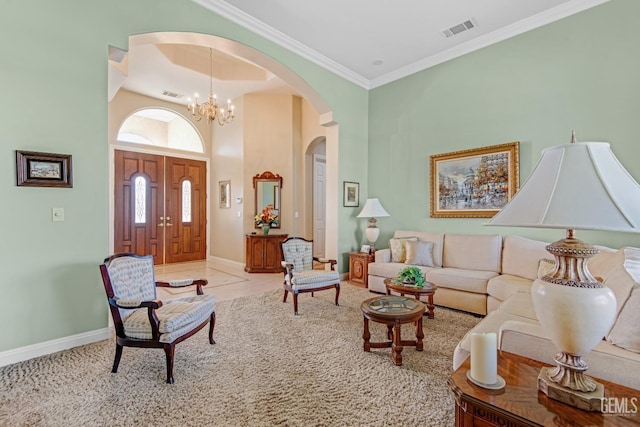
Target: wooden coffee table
{"x":428,"y":290}
{"x":521,"y":404}
{"x":393,"y":311}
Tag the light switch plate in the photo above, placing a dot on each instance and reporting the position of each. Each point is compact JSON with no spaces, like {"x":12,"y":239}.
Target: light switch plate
{"x":57,"y":214}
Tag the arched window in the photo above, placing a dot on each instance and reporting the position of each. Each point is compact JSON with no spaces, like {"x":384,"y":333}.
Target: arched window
{"x":140,"y":196}
{"x":162,"y":128}
{"x":186,"y":201}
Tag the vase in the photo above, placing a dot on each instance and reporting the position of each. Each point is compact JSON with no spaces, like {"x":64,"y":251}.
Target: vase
{"x":265,"y":228}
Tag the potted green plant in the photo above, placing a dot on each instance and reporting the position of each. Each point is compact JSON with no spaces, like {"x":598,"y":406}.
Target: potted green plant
{"x":411,"y":276}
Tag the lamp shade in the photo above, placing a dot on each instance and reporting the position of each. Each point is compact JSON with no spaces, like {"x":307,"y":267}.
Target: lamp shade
{"x":372,"y":209}
{"x":576,"y":186}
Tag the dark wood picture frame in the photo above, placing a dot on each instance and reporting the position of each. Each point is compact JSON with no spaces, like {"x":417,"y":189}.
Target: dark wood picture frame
{"x":474,"y":183}
{"x":36,"y":169}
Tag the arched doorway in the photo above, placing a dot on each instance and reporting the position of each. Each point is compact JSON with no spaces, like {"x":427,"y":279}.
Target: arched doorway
{"x":160,"y":200}
{"x":301,"y":87}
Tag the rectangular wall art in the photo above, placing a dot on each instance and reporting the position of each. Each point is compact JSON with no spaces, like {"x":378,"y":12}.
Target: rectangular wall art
{"x":43,"y":169}
{"x":474,"y":183}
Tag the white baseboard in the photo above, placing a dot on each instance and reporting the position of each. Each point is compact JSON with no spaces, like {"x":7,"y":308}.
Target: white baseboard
{"x":228,"y":262}
{"x":48,"y":347}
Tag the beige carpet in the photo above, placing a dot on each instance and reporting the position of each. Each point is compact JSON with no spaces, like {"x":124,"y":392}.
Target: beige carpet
{"x":268,"y":368}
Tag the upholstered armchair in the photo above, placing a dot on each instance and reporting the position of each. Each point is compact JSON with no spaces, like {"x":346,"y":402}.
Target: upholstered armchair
{"x":142,"y":320}
{"x":299,"y":274}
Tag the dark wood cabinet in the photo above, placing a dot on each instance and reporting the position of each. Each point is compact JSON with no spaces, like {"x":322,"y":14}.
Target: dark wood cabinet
{"x":521,"y":404}
{"x":359,"y":267}
{"x":263,"y":253}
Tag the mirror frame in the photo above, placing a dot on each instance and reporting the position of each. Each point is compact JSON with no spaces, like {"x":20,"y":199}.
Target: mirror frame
{"x":267,"y":176}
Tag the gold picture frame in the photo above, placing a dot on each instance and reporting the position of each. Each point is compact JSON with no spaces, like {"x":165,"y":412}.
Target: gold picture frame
{"x":474,"y":183}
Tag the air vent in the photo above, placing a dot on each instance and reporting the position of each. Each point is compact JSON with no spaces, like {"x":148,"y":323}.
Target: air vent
{"x":459,"y":28}
{"x":172,"y":94}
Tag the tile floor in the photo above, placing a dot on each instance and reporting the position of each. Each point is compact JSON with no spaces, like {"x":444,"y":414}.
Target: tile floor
{"x":225,"y":281}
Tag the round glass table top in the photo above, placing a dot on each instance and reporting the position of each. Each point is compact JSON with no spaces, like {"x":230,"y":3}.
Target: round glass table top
{"x":393,"y":304}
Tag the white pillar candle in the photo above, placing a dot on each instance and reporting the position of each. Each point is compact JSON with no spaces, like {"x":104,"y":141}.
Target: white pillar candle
{"x":484,"y":358}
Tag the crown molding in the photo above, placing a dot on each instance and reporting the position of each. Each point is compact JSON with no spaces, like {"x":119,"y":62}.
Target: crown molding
{"x":254,"y":25}
{"x":551,"y":15}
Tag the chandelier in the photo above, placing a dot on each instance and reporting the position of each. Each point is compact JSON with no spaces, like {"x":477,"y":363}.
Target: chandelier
{"x":210,"y":109}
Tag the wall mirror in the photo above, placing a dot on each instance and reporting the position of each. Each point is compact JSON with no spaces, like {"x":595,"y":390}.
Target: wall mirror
{"x":267,"y":192}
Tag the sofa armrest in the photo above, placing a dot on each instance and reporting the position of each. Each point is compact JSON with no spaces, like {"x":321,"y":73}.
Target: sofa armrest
{"x":383,"y":255}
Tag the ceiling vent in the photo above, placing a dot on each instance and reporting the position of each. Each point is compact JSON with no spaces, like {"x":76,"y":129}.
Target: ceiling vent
{"x":172,"y":94}
{"x":459,"y":28}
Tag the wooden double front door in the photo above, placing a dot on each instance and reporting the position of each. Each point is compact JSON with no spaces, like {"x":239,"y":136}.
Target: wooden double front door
{"x":160,"y":207}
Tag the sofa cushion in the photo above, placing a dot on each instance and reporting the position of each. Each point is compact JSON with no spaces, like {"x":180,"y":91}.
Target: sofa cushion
{"x":419,"y":253}
{"x":473,"y":252}
{"x":505,"y":285}
{"x":436,"y":238}
{"x":626,"y":330}
{"x":520,"y":256}
{"x":391,"y":269}
{"x":520,"y":304}
{"x":465,"y":280}
{"x":398,"y":249}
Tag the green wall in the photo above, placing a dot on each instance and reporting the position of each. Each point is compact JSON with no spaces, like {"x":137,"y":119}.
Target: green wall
{"x":579,"y":73}
{"x":53,"y":77}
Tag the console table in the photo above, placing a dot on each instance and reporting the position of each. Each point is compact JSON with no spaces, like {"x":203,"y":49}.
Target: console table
{"x":263,"y":253}
{"x":521,"y":404}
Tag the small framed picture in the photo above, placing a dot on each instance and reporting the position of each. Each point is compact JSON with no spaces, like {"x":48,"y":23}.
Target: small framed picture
{"x":225,"y":193}
{"x":365,"y":248}
{"x":351,"y":194}
{"x":43,"y":169}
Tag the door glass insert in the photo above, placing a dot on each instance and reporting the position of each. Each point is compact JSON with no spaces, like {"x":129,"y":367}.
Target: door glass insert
{"x":141,"y":200}
{"x":186,"y":201}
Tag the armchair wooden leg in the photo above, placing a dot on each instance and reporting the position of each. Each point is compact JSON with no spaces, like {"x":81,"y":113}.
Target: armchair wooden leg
{"x":168,"y":351}
{"x":116,"y":360}
{"x":285,"y":296}
{"x":212,"y":324}
{"x":337,"y":293}
{"x":295,"y":303}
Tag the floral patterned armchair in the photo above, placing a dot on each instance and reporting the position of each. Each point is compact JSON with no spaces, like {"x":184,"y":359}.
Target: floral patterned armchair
{"x":142,"y":320}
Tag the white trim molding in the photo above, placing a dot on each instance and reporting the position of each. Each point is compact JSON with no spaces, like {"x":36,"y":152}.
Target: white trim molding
{"x":238,"y":16}
{"x":21,"y":354}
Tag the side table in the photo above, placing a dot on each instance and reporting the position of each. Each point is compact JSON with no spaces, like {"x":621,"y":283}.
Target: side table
{"x":521,"y":404}
{"x":393,"y":311}
{"x":427,"y":290}
{"x":359,"y":267}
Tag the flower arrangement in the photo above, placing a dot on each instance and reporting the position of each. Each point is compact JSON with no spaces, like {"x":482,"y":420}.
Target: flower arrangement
{"x":266,"y":217}
{"x":411,"y":276}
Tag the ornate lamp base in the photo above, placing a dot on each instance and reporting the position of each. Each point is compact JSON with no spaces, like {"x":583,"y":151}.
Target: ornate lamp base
{"x":587,"y":401}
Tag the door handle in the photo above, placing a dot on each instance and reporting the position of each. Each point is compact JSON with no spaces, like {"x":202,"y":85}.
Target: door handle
{"x":161,"y":225}
{"x":169,"y":224}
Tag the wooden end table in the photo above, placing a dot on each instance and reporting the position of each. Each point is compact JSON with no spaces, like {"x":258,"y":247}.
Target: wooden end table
{"x":521,"y":404}
{"x":393,"y":311}
{"x":428,"y":290}
{"x":359,"y":267}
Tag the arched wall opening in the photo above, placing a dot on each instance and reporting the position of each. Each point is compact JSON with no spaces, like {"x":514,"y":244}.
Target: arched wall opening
{"x":288,"y":76}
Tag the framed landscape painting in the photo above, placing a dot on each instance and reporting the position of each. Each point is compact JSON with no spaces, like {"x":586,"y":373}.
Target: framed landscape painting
{"x":474,"y":183}
{"x":225,"y":194}
{"x":43,"y":169}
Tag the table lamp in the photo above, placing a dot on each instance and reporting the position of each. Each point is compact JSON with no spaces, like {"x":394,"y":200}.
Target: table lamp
{"x":574,"y":186}
{"x":372,"y":209}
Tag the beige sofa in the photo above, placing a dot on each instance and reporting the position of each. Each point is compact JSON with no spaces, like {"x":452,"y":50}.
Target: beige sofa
{"x":474,"y":273}
{"x":470,"y":280}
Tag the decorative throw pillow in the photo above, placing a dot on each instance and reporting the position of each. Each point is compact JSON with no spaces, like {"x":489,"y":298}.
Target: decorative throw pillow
{"x":419,"y":253}
{"x":397,"y":246}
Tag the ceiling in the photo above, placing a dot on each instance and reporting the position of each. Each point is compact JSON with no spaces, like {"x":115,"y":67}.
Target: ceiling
{"x":368,"y":42}
{"x":374,"y":42}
